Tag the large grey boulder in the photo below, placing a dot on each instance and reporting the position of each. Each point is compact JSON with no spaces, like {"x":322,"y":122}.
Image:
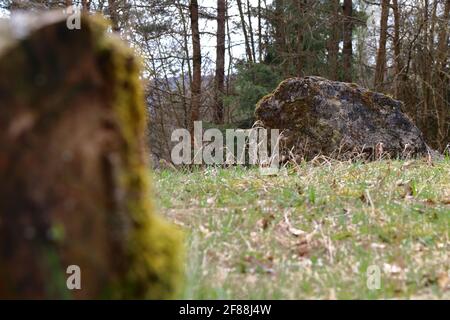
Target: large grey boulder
{"x":324,"y":117}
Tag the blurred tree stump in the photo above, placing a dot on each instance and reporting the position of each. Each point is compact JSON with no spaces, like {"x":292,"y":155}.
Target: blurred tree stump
{"x":74,"y":187}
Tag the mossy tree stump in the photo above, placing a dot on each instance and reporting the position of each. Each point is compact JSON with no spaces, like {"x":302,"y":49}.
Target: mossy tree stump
{"x":74,"y":187}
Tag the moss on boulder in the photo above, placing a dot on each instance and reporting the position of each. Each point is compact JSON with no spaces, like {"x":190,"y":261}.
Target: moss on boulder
{"x":337,"y":119}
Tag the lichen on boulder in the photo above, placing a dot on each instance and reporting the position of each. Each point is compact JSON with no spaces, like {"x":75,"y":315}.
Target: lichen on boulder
{"x":337,"y":119}
{"x":73,"y":164}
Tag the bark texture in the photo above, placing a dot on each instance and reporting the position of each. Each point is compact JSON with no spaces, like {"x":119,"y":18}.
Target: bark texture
{"x":380,"y":67}
{"x":219,"y":80}
{"x":347,"y":50}
{"x":196,"y":66}
{"x":75,"y":189}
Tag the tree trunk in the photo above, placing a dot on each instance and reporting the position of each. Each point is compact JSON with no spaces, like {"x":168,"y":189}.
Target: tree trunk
{"x":280,"y":36}
{"x":424,"y":55}
{"x":73,"y":168}
{"x":347,"y":50}
{"x":114,"y":15}
{"x":443,"y":48}
{"x":220,"y":61}
{"x":196,"y":66}
{"x":380,"y":67}
{"x":260,"y":48}
{"x":333,"y":46}
{"x":442,"y":78}
{"x":248,"y":50}
{"x":250,"y":30}
{"x":299,"y":54}
{"x":185,"y":35}
{"x":397,"y":49}
{"x":230,"y":56}
{"x":85,"y":4}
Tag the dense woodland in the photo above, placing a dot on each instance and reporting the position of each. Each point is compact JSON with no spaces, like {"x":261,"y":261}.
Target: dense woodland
{"x":213,"y":60}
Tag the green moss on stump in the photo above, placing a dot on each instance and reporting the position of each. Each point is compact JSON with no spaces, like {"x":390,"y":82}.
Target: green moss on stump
{"x":75,"y":178}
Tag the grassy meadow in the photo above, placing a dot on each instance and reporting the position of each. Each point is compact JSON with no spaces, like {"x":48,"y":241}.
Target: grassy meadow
{"x":316,"y":230}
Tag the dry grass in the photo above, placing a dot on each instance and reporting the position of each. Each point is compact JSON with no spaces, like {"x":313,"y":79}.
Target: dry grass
{"x":313,"y":231}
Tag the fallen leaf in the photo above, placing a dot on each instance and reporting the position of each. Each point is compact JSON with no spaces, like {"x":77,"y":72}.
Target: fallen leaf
{"x":391,"y":268}
{"x":303,"y":249}
{"x":294,"y":231}
{"x":443,"y":280}
{"x":264,"y":222}
{"x":204,"y":231}
{"x":377,"y":245}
